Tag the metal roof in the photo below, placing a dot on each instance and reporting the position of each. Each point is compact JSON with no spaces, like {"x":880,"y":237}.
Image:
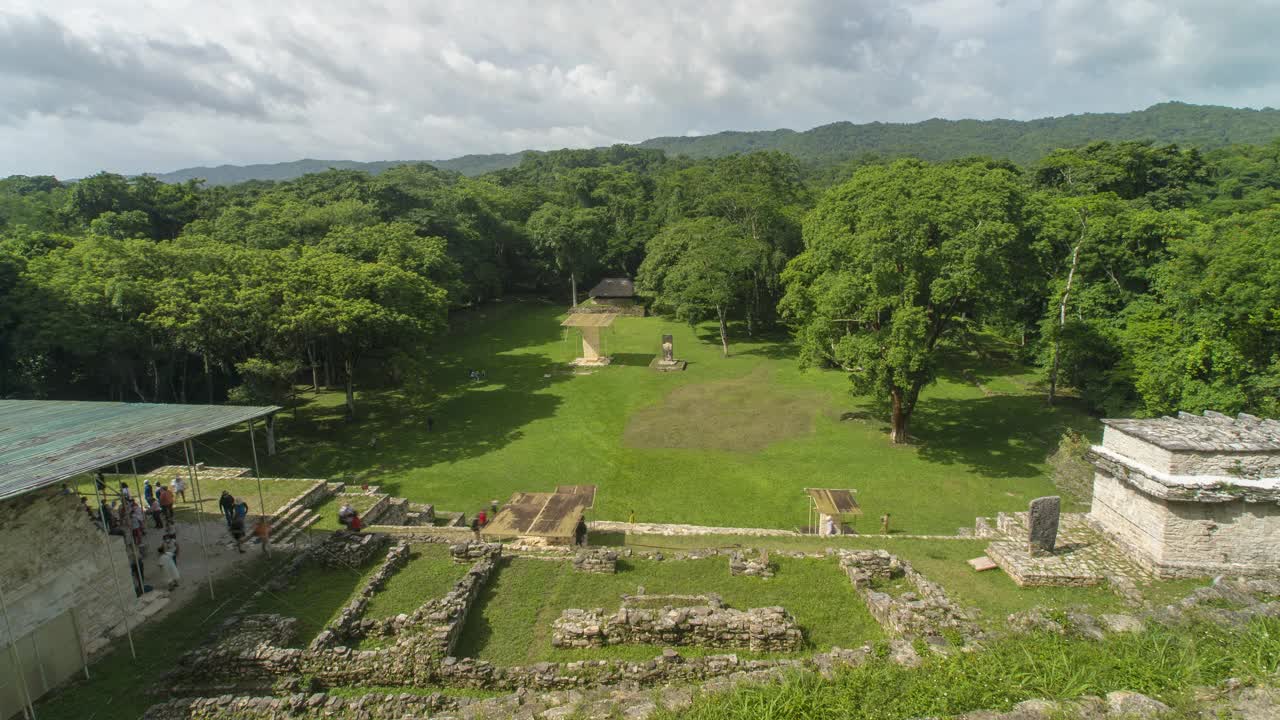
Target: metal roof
{"x":830,"y":501}
{"x":590,"y":320}
{"x":553,"y":515}
{"x":43,"y":442}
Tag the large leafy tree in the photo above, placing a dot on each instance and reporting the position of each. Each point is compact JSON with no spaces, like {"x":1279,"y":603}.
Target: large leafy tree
{"x":893,"y":260}
{"x":699,"y":269}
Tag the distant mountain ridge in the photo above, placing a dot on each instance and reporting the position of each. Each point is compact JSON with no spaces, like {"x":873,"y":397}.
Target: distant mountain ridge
{"x":1021,"y":141}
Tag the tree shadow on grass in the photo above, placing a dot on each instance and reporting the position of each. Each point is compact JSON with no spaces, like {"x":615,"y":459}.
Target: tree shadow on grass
{"x":998,"y":436}
{"x":631,"y":359}
{"x":391,"y":431}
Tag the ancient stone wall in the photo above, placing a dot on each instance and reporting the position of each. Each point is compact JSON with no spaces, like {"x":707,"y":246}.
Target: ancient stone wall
{"x":350,"y":623}
{"x":347,"y":549}
{"x":598,"y":560}
{"x":767,"y":629}
{"x":471,"y":551}
{"x":923,"y":612}
{"x":740,"y":565}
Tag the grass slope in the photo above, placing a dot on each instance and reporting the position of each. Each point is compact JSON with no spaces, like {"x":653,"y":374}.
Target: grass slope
{"x":730,"y":441}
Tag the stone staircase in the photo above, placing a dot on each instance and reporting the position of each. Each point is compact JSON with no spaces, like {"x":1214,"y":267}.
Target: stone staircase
{"x":290,"y":523}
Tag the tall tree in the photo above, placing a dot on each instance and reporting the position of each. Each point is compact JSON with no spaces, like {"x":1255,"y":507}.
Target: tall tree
{"x":893,"y":260}
{"x":696,"y":269}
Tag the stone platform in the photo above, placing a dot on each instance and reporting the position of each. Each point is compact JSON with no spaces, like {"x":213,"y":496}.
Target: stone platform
{"x":663,"y":366}
{"x":1083,"y":556}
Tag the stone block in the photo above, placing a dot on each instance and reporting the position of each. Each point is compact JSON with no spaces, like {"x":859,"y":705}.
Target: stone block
{"x":1042,"y":531}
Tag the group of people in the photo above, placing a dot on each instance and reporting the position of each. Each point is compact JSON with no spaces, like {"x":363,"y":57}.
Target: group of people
{"x":349,"y":518}
{"x":477,"y":375}
{"x":236,"y":512}
{"x":127,"y":518}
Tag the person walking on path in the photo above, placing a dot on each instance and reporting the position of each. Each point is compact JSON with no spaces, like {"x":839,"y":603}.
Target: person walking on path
{"x":228,"y":505}
{"x":136,"y":523}
{"x":431,"y":423}
{"x":148,"y":492}
{"x":580,"y":533}
{"x":236,"y":524}
{"x":262,"y":531}
{"x":475,"y":527}
{"x":180,"y":487}
{"x":168,"y":561}
{"x":165,"y":496}
{"x":124,"y":492}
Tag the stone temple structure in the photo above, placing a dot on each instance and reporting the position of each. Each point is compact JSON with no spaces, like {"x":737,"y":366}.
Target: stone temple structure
{"x":1191,"y":495}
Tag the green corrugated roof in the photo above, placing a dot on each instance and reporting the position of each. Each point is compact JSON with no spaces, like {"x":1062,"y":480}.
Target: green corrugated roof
{"x":43,"y":442}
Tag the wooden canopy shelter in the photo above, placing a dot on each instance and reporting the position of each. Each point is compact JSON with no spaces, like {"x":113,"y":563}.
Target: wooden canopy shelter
{"x":830,"y":506}
{"x":590,"y":324}
{"x":553,"y":516}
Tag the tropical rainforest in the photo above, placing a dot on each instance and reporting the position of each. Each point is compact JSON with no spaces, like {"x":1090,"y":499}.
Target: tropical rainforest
{"x":1140,"y":277}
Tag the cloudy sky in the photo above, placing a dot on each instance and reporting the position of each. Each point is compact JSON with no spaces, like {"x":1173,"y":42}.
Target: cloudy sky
{"x":131,"y":86}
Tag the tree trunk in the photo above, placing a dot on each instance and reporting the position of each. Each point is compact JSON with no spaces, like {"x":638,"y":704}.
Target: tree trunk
{"x":351,"y":393}
{"x":208,"y":377}
{"x":898,"y":420}
{"x":315,"y":370}
{"x":328,"y":369}
{"x":573,"y":285}
{"x":724,"y":332}
{"x":1062,"y":310}
{"x":271,"y":435}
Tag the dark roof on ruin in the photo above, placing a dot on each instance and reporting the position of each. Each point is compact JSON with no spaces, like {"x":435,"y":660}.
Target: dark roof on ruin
{"x":614,"y":288}
{"x":44,"y":442}
{"x":1210,"y":432}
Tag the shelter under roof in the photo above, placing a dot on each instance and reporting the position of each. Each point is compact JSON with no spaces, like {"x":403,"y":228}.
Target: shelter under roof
{"x":45,"y":442}
{"x":834,"y":502}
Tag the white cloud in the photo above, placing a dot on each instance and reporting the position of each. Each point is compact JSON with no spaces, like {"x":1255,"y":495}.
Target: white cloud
{"x":133,"y":86}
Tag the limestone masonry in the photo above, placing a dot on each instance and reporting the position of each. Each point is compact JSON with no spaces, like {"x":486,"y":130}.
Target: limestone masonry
{"x":1191,"y":495}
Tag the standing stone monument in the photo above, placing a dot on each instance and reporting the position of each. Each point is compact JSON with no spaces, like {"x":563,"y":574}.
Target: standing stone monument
{"x":1042,"y":520}
{"x":667,"y":360}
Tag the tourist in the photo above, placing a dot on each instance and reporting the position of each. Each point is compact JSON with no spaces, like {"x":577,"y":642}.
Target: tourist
{"x":157,"y":514}
{"x":355,"y":523}
{"x":631,"y":517}
{"x":262,"y":531}
{"x":830,"y":526}
{"x":431,"y":423}
{"x":66,"y":489}
{"x":228,"y":505}
{"x":168,"y":561}
{"x":124,"y":492}
{"x":84,"y":505}
{"x":165,"y":496}
{"x":136,"y":521}
{"x":180,"y":487}
{"x":100,"y":482}
{"x":884,"y":524}
{"x":236,"y":525}
{"x":482,"y":518}
{"x":133,"y":552}
{"x":493,"y":507}
{"x":148,"y":492}
{"x":475,"y":527}
{"x":580,"y":533}
{"x":345,"y":513}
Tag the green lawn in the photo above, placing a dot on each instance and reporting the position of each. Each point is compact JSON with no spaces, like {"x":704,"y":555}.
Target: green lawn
{"x":729,"y":441}
{"x":512,"y":624}
{"x":993,"y":593}
{"x":429,"y":574}
{"x":315,"y":597}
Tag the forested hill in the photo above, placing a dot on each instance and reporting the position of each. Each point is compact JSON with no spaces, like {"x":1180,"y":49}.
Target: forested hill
{"x":1024,"y":142}
{"x":231,"y":174}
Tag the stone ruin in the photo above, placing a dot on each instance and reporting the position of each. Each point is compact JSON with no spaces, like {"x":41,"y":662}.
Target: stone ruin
{"x":677,"y":623}
{"x":471,"y":551}
{"x":740,"y":565}
{"x":1191,"y":495}
{"x":348,"y":549}
{"x":1042,"y":521}
{"x":925,"y":611}
{"x":601,"y":561}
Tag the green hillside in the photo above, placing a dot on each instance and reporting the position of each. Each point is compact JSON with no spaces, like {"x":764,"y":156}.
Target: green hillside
{"x":1023,"y":142}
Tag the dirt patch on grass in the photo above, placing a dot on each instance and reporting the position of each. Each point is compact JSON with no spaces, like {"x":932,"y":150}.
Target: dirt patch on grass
{"x":747,"y":414}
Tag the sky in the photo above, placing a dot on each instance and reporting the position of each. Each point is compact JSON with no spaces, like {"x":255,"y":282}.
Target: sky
{"x":135,"y":86}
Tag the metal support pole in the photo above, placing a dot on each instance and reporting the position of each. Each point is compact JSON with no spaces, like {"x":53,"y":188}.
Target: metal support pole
{"x":137,"y":548}
{"x":257,"y":474}
{"x":190,"y":453}
{"x":115,"y":577}
{"x":30,"y":710}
